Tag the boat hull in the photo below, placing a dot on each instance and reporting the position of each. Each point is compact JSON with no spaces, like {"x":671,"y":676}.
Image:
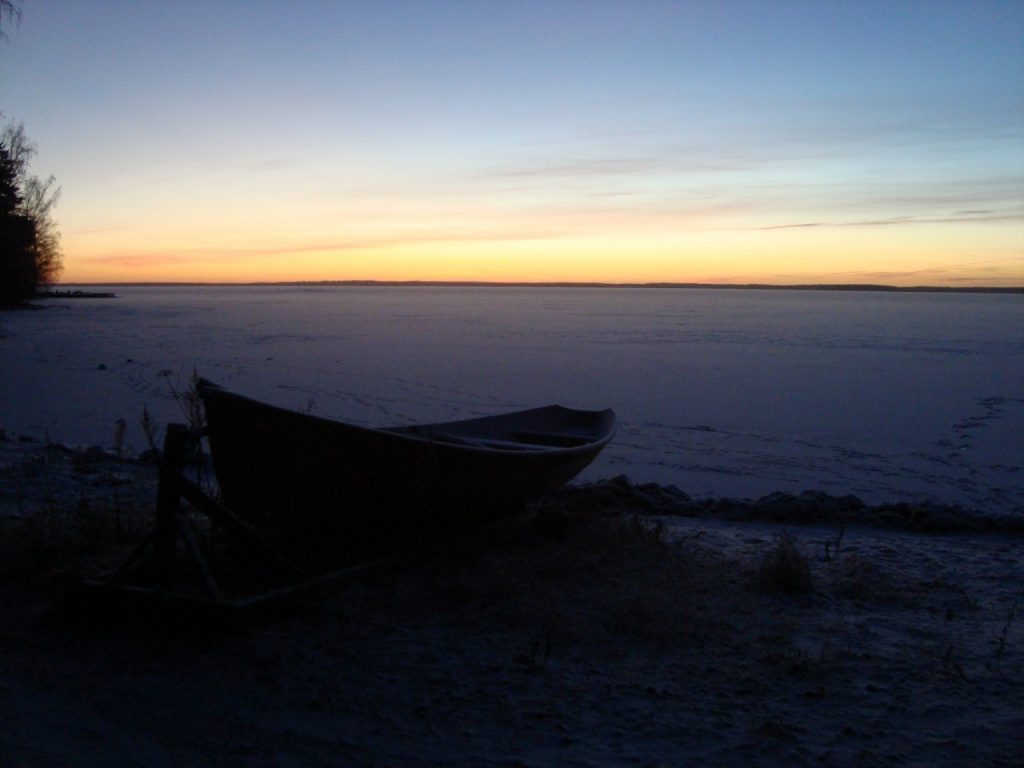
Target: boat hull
{"x":303,"y":473}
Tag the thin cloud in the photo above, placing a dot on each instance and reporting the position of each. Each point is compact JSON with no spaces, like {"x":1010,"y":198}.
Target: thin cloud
{"x":667,"y":162}
{"x":227,"y":255}
{"x":987,"y":266}
{"x":140,"y":260}
{"x":582,"y":167}
{"x":959,"y":217}
{"x":827,"y":132}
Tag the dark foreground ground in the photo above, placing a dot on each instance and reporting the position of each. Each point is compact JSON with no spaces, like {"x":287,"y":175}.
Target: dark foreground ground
{"x":597,"y":631}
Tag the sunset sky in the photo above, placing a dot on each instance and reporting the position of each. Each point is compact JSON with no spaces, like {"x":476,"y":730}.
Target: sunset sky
{"x":691,"y":141}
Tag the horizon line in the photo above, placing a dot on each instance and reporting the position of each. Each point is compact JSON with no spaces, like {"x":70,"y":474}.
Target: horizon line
{"x":876,"y":287}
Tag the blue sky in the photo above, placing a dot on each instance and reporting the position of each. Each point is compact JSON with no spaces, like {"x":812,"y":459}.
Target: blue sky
{"x":768,"y":141}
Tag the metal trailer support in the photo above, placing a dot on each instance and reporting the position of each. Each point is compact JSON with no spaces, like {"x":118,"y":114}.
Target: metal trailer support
{"x":172,"y":524}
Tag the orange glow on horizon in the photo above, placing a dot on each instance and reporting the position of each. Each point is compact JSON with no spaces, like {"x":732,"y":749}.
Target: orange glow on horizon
{"x":886,"y":255}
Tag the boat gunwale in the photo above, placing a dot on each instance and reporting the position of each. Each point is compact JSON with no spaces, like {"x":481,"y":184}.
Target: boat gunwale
{"x":206,"y":389}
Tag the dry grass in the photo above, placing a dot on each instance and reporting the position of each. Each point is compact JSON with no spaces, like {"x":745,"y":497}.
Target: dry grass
{"x":785,"y":568}
{"x":584,"y":577}
{"x":859,"y":578}
{"x":66,"y":538}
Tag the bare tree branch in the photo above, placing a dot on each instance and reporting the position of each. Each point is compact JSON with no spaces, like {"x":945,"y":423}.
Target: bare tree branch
{"x":20,"y":149}
{"x":29,"y":240}
{"x":10,"y":12}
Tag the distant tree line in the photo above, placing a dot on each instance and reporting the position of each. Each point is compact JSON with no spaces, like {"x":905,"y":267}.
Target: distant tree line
{"x":29,"y":240}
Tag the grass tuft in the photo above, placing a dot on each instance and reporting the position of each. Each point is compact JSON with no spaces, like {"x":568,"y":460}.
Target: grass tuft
{"x":785,"y":568}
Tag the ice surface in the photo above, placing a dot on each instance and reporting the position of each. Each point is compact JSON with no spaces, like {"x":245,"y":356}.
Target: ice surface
{"x":725,"y":392}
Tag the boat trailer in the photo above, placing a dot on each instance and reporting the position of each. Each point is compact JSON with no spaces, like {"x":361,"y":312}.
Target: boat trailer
{"x":169,"y":568}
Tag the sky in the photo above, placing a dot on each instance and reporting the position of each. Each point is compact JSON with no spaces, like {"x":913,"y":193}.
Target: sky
{"x":808,"y":141}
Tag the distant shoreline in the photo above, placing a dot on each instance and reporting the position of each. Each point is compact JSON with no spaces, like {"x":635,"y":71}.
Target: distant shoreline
{"x":850,"y":287}
{"x":73,"y":294}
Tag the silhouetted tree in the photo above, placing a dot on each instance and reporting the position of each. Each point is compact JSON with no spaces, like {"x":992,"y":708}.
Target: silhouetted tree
{"x":29,"y":241}
{"x":10,"y":198}
{"x":17,"y":238}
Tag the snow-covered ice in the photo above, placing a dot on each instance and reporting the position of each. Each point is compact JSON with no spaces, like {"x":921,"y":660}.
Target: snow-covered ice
{"x":889,"y":396}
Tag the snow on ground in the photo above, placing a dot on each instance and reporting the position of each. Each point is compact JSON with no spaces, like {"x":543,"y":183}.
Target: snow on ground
{"x":592,"y":642}
{"x":737,"y":636}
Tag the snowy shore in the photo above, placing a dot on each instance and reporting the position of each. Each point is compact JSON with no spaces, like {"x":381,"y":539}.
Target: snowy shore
{"x":642,"y":629}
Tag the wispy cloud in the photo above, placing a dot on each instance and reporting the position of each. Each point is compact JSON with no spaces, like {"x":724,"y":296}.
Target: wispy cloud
{"x":958,"y":217}
{"x":990,"y":266}
{"x":666,"y":162}
{"x":220,"y":254}
{"x":997,"y":272}
{"x":142,"y":260}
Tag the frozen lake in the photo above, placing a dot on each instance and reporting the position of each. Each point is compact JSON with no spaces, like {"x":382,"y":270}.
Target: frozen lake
{"x":890,"y":396}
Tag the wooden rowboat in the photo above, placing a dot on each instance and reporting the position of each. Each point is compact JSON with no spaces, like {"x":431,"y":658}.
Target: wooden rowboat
{"x":305,"y":473}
